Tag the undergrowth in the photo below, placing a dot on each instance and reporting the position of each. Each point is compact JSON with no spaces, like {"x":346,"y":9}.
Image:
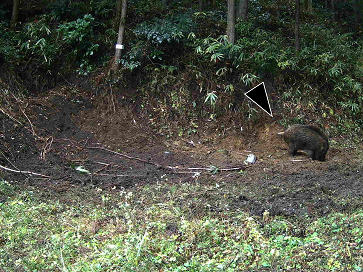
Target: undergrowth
{"x":163,"y":227}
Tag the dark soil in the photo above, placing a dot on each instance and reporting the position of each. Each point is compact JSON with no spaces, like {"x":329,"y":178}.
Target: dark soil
{"x":56,"y":133}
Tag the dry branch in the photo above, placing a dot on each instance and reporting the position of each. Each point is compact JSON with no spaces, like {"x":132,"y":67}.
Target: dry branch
{"x":23,"y":172}
{"x":10,"y":117}
{"x":31,"y":125}
{"x":173,"y":168}
{"x":123,"y":176}
{"x":129,"y":157}
{"x":47,"y":147}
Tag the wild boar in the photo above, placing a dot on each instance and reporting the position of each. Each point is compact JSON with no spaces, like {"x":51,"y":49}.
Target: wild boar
{"x":307,"y":137}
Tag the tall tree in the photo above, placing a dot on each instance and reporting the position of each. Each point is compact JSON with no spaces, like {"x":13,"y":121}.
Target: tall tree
{"x":231,"y":21}
{"x":120,"y":38}
{"x":15,"y":14}
{"x":297,"y":25}
{"x":242,"y":12}
{"x":117,"y":19}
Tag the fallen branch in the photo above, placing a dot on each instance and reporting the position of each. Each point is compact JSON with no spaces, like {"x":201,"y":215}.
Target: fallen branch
{"x":31,"y":125}
{"x":103,"y":168}
{"x":47,"y":147}
{"x":173,"y":168}
{"x":213,"y":169}
{"x":10,"y":117}
{"x":129,"y":157}
{"x":85,"y":144}
{"x":123,"y":176}
{"x":23,"y":172}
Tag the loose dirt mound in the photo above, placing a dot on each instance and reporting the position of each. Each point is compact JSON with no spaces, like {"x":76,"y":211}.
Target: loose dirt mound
{"x":53,"y":135}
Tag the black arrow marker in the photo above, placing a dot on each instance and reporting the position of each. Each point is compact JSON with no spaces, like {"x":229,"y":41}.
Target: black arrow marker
{"x":258,"y":96}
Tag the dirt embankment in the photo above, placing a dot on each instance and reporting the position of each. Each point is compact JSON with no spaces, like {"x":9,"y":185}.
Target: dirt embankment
{"x":52,"y":135}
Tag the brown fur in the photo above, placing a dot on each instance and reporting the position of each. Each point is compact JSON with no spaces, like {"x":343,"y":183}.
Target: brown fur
{"x":307,"y":137}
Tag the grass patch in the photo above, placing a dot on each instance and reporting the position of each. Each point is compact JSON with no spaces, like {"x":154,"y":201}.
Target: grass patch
{"x":164,"y":227}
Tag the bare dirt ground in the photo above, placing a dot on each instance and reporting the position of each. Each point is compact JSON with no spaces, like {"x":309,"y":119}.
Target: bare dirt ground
{"x":63,"y":131}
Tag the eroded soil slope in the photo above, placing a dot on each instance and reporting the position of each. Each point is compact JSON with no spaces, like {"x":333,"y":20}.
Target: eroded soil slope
{"x":53,"y":135}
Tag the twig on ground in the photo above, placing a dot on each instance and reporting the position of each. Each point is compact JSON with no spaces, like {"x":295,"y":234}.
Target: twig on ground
{"x":221,"y":169}
{"x":10,"y":117}
{"x":66,"y":139}
{"x":101,"y":163}
{"x":9,"y":161}
{"x":123,"y":176}
{"x":103,"y":168}
{"x":173,"y":168}
{"x":23,"y":172}
{"x":110,"y":164}
{"x":31,"y":125}
{"x":129,"y":157}
{"x":85,"y":144}
{"x":47,"y":147}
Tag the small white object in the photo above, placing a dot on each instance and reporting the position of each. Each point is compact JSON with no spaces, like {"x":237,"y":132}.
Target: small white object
{"x":250,"y":159}
{"x":119,"y":46}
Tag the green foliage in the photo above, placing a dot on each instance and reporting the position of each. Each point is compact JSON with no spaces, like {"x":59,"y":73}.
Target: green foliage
{"x":38,"y":43}
{"x":170,"y":33}
{"x":159,"y":39}
{"x":78,"y":35}
{"x":7,"y":42}
{"x":71,"y":10}
{"x":59,"y":8}
{"x":155,"y":227}
{"x":212,"y":98}
{"x":143,"y":7}
{"x":35,"y":44}
{"x":7,"y":189}
{"x":169,"y":29}
{"x":327,"y":61}
{"x":40,"y":51}
{"x":2,"y":12}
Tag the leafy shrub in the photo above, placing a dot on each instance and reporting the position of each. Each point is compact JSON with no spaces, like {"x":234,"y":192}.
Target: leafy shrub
{"x":7,"y":42}
{"x":37,"y":51}
{"x":66,"y":10}
{"x":78,"y":35}
{"x":32,"y":51}
{"x":2,"y":13}
{"x":329,"y":62}
{"x":38,"y":43}
{"x":159,"y":39}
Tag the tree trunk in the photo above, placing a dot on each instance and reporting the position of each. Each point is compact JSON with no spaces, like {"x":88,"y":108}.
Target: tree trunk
{"x":118,"y":14}
{"x":242,"y":12}
{"x":15,"y":14}
{"x":231,"y":21}
{"x":297,"y":25}
{"x":120,"y":38}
